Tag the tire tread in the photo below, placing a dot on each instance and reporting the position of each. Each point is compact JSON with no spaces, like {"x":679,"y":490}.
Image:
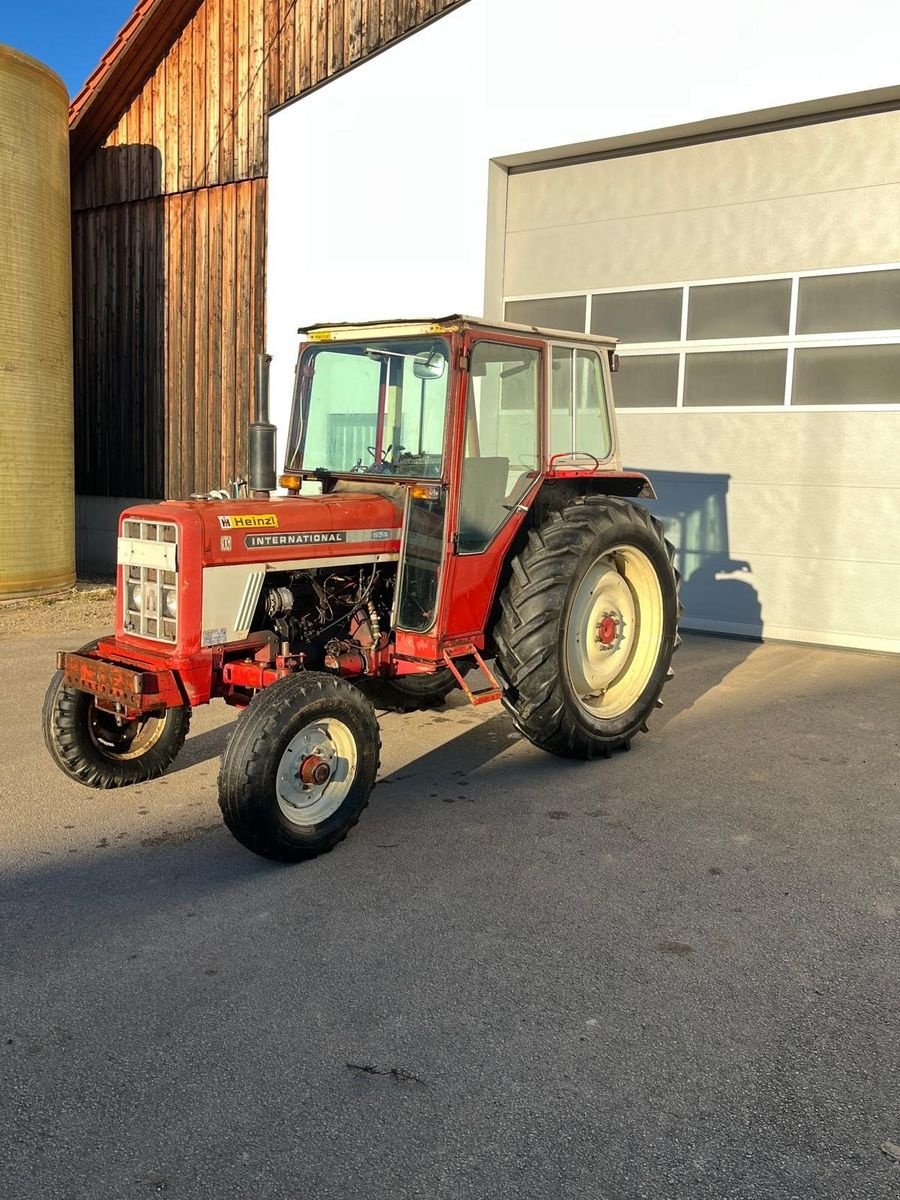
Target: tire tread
{"x":64,"y":722}
{"x":532,"y":607}
{"x":247,"y":760}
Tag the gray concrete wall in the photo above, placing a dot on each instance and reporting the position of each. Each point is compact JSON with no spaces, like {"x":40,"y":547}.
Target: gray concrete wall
{"x":787,"y":521}
{"x":787,"y":524}
{"x":793,"y":200}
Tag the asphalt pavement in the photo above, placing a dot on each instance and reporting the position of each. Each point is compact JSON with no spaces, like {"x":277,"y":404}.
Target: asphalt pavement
{"x":669,"y":975}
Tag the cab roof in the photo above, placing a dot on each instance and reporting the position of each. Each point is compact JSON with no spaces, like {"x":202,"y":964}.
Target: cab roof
{"x":424,"y":326}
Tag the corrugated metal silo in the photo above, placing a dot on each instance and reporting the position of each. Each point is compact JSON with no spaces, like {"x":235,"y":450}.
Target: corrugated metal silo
{"x":37,"y":501}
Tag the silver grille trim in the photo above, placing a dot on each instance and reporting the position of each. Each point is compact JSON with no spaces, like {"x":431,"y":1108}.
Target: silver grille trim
{"x":248,"y":602}
{"x":148,"y":555}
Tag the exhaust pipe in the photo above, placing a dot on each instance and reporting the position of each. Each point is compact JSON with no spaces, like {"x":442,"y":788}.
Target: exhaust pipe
{"x":261,"y":440}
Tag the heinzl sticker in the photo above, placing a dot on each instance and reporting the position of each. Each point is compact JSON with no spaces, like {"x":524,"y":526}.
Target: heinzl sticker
{"x":249,"y":521}
{"x":261,"y":541}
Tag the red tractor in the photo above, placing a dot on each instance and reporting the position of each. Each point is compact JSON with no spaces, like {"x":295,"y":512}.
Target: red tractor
{"x":469,"y":504}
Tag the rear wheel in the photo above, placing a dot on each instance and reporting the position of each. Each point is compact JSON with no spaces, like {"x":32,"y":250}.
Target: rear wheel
{"x":588,"y":627}
{"x":299,"y":768}
{"x":92,"y":747}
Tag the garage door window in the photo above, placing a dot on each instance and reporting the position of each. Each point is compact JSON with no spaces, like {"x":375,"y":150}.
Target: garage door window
{"x":647,"y":381}
{"x":847,"y":375}
{"x":645,"y":316}
{"x":759,"y":308}
{"x":553,"y":312}
{"x":849,"y":302}
{"x":739,"y":379}
{"x":827,"y":338}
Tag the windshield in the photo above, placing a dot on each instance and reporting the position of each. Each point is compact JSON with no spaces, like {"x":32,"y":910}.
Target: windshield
{"x":371,"y":408}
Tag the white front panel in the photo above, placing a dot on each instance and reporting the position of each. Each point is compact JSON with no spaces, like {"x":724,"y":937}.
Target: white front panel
{"x":230,"y":595}
{"x":138,"y":553}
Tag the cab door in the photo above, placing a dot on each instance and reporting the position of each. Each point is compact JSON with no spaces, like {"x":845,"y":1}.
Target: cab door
{"x":497,"y":464}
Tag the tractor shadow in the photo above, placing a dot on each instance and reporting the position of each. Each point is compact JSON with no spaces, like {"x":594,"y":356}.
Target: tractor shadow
{"x":717,"y":589}
{"x":202,"y":747}
{"x":701,"y":664}
{"x":456,"y":758}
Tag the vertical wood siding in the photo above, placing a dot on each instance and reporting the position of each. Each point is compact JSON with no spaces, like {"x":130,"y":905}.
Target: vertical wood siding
{"x":119,"y":330}
{"x":169,"y":238}
{"x":215,"y":323}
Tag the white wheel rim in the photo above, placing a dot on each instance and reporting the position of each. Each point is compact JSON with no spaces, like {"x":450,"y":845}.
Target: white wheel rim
{"x":614,"y":631}
{"x":316,"y":772}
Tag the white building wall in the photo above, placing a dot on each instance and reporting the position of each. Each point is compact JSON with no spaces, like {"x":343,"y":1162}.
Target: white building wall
{"x":378,"y":181}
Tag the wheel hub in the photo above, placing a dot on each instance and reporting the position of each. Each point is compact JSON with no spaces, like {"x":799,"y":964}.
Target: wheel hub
{"x":128,"y":740}
{"x":609,"y":629}
{"x":314,"y":770}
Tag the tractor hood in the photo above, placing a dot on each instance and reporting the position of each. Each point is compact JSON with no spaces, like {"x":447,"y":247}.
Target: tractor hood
{"x":204,"y":561}
{"x":292,"y":528}
{"x":355,"y":526}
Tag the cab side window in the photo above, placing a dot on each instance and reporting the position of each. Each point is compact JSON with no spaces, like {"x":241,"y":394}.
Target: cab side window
{"x":578,"y":414}
{"x":500,"y":459}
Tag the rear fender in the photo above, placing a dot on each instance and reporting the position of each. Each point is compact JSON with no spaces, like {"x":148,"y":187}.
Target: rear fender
{"x":555,"y":493}
{"x":559,"y":490}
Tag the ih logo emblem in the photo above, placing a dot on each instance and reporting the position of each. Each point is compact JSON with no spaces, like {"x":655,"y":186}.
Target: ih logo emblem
{"x":249,"y":521}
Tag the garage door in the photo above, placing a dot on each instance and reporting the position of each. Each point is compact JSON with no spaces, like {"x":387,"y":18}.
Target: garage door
{"x":755,"y":284}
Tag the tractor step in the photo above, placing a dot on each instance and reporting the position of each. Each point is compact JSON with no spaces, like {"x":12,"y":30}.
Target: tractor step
{"x":493,"y":691}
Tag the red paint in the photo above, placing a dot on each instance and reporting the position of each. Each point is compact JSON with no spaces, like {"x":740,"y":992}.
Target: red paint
{"x":382,"y":410}
{"x":117,"y":683}
{"x":606,"y":631}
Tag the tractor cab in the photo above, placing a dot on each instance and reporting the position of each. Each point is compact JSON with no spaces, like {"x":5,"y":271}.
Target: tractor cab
{"x":465,"y":422}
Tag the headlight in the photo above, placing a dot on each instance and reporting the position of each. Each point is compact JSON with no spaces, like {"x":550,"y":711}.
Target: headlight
{"x":171,"y":603}
{"x":134,"y":597}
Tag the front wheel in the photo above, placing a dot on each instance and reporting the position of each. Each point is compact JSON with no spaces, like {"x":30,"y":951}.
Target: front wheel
{"x":94,"y":748}
{"x":588,"y":627}
{"x":299,"y":768}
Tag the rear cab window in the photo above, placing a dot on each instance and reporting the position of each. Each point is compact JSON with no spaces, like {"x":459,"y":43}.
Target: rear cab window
{"x":579,"y":418}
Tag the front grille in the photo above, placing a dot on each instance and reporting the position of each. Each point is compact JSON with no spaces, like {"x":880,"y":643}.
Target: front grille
{"x":148,"y":552}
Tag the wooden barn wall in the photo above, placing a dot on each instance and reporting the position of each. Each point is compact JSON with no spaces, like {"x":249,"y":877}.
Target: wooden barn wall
{"x":175,"y":200}
{"x":169,"y":312}
{"x":215,"y":324}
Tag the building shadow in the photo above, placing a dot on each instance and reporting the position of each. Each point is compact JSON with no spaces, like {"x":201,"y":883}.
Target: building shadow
{"x":118,"y":280}
{"x":202,"y":747}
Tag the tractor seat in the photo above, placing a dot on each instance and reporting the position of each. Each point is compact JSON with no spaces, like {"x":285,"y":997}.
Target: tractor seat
{"x":484,"y":484}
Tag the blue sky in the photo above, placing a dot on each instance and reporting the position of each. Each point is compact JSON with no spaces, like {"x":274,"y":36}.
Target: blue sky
{"x":68,"y":35}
